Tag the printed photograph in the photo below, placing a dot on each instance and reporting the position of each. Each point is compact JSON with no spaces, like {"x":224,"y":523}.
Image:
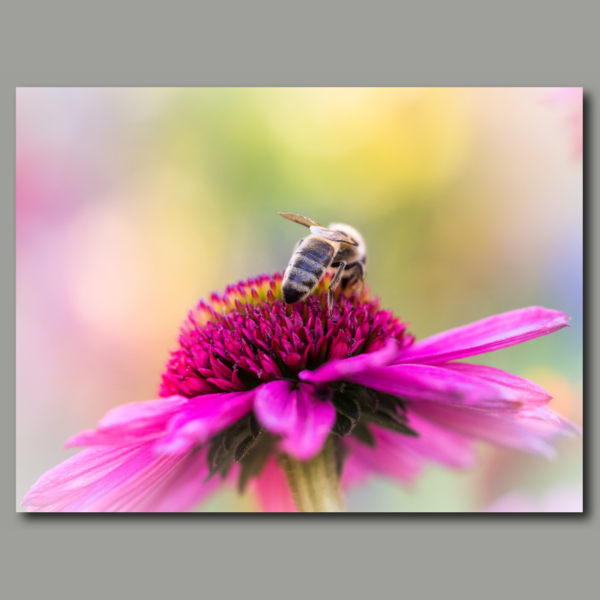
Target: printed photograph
{"x":359,"y":300}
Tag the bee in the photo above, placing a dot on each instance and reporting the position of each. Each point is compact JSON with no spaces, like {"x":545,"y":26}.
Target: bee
{"x":338,"y":248}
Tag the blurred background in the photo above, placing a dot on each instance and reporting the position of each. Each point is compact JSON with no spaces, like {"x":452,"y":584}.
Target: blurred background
{"x":134,"y":203}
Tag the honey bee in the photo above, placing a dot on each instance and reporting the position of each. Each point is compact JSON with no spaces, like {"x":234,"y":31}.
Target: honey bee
{"x":338,"y":248}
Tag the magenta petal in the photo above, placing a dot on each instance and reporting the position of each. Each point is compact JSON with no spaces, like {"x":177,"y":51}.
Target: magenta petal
{"x":154,"y":484}
{"x":137,"y":413}
{"x":520,"y":389}
{"x":126,"y":488}
{"x":436,"y":444}
{"x":385,"y":458}
{"x":314,"y":421}
{"x":492,"y":333}
{"x":402,"y":457}
{"x":202,"y":418}
{"x":131,"y":423}
{"x":275,"y":407}
{"x":303,"y":420}
{"x":428,"y":382}
{"x":183,"y":488}
{"x":528,"y":430}
{"x":343,"y":369}
{"x":67,"y":482}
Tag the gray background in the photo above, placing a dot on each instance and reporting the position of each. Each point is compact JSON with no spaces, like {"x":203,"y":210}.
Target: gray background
{"x":284,"y":43}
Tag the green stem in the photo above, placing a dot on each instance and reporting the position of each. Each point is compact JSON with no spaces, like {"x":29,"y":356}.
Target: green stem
{"x":314,"y":483}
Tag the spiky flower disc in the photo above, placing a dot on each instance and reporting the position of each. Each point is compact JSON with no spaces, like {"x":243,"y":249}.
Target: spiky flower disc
{"x":248,"y":336}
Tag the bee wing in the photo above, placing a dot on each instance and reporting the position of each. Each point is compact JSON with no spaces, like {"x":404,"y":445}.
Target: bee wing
{"x":318,"y":229}
{"x":301,"y":220}
{"x":333,"y":236}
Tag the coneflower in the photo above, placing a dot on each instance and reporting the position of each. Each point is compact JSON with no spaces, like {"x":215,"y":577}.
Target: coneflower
{"x":298,"y":405}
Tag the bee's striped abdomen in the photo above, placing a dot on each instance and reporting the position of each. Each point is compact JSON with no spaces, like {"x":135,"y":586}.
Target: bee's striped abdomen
{"x":306,"y":267}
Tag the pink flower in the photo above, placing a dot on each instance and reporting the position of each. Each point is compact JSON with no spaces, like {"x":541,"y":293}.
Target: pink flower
{"x":254,"y":379}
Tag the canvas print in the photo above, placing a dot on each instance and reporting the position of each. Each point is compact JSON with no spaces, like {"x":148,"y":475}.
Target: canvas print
{"x":299,"y":300}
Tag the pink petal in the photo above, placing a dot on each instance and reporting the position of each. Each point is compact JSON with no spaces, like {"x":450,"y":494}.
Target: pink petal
{"x":385,"y":458}
{"x":183,"y":488}
{"x":492,"y":333}
{"x":520,"y":389}
{"x":272,"y":489}
{"x":275,"y":407}
{"x":528,"y":430}
{"x":138,"y":413}
{"x":68,"y":481}
{"x":342,"y":369}
{"x":303,"y":420}
{"x":124,"y":489}
{"x":402,"y":457}
{"x":202,"y":418}
{"x":436,"y":444}
{"x":131,"y":479}
{"x":356,"y":470}
{"x":428,"y":382}
{"x":131,"y":423}
{"x":314,"y":422}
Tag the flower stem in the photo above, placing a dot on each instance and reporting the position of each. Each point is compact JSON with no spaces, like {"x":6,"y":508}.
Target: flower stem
{"x":315,"y":483}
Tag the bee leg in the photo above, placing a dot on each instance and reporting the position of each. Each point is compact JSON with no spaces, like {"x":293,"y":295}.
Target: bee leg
{"x":332,"y":285}
{"x":357,"y":282}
